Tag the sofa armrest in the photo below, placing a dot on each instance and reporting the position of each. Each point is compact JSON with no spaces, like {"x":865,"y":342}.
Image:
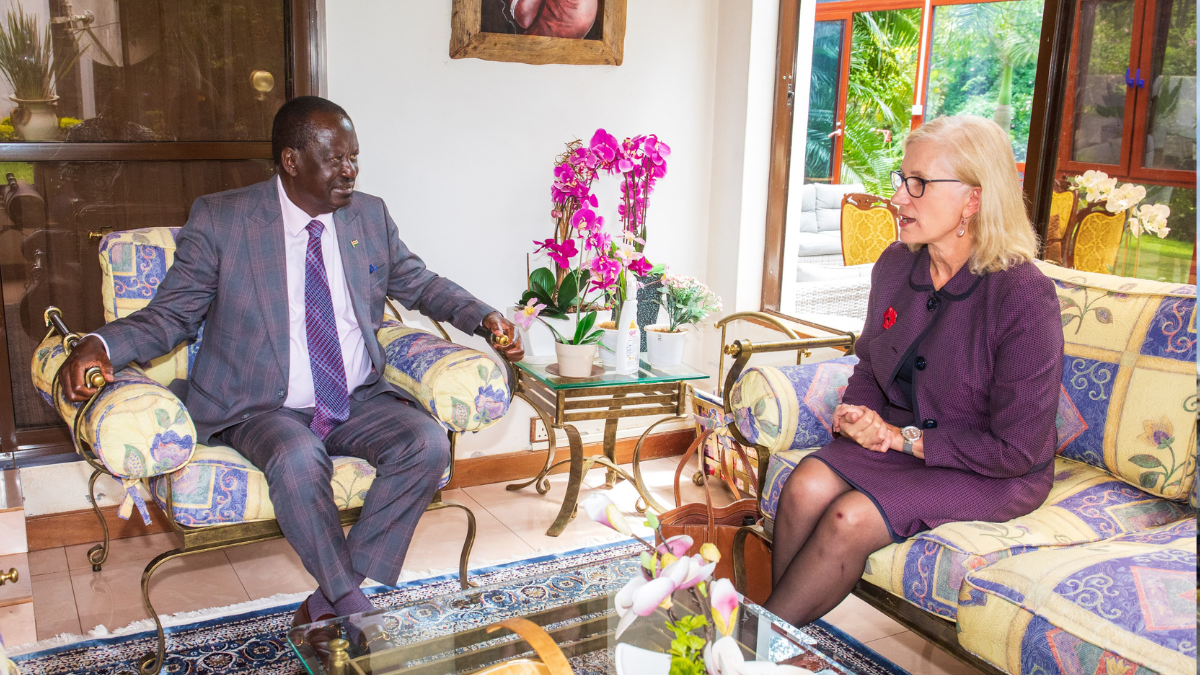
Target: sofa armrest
{"x":133,"y":428}
{"x":789,"y":408}
{"x":461,"y":387}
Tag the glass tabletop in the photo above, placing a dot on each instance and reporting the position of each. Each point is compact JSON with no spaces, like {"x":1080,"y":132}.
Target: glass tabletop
{"x":447,"y":634}
{"x":646,"y":374}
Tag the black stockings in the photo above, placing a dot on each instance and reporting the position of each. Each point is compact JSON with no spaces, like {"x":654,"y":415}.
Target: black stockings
{"x":824,"y":532}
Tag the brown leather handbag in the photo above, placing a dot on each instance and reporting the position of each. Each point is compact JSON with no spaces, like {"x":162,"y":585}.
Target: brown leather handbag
{"x":706,"y":523}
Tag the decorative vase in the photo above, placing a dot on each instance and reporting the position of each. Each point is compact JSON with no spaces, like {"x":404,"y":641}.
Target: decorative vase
{"x":647,"y":297}
{"x":538,"y":340}
{"x":664,"y":349}
{"x":575,"y":360}
{"x":35,"y":120}
{"x":608,"y":343}
{"x":632,"y":660}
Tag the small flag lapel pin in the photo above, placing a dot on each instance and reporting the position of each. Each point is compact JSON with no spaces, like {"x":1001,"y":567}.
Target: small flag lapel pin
{"x":353,"y":242}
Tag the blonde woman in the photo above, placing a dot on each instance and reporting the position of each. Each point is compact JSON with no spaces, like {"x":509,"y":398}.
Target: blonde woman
{"x":949,"y":414}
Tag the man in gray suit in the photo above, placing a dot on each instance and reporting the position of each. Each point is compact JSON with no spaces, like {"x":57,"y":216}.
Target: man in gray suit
{"x":289,"y":278}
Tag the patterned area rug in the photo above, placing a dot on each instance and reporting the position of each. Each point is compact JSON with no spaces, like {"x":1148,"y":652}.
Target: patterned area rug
{"x":255,"y":642}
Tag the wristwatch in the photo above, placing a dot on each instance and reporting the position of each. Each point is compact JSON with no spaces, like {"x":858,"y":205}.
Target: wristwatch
{"x":911,"y":435}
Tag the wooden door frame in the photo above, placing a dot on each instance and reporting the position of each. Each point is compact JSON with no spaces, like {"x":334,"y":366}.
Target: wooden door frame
{"x":304,"y":55}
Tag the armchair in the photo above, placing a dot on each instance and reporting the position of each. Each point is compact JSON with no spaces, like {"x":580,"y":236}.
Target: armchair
{"x":138,"y":431}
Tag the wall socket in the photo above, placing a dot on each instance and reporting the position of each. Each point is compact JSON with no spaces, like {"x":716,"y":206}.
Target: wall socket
{"x":537,"y":430}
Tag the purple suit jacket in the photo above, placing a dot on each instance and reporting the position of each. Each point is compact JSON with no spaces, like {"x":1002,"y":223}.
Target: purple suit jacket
{"x":230,"y":274}
{"x":986,"y":392}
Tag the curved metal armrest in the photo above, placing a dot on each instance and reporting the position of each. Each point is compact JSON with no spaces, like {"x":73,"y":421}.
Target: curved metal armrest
{"x":510,"y":371}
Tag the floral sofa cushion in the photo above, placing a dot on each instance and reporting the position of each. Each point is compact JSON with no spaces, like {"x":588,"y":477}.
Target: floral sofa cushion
{"x":219,"y":487}
{"x":779,"y":468}
{"x":1128,"y":399}
{"x":459,"y":386}
{"x":791,"y":407}
{"x":1126,"y":605}
{"x":1085,"y":505}
{"x":132,"y":265}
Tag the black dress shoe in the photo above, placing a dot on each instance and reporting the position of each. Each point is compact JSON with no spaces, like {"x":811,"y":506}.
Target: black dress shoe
{"x":320,"y":636}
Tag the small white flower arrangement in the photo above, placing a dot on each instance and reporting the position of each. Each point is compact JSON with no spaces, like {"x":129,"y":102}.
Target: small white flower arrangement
{"x":1095,"y":187}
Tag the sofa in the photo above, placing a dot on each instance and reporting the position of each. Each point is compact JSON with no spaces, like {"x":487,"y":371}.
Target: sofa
{"x":1102,"y":577}
{"x":818,"y":230}
{"x":138,"y":430}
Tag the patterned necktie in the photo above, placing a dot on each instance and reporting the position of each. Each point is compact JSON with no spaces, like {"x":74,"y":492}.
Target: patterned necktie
{"x":324,"y":348}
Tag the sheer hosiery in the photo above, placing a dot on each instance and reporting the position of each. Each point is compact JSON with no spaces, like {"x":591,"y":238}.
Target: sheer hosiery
{"x":831,"y":561}
{"x":809,"y":490}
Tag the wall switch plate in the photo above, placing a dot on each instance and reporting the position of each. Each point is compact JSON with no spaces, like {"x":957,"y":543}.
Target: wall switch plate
{"x":537,"y":431}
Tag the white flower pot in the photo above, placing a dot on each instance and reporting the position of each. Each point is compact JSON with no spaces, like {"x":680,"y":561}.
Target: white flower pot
{"x":632,"y":660}
{"x":575,"y":360}
{"x":35,"y":120}
{"x":608,"y":356}
{"x":538,"y":341}
{"x":664,"y":350}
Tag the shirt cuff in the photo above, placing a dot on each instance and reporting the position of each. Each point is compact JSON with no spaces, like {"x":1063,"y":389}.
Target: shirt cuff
{"x":103,"y":342}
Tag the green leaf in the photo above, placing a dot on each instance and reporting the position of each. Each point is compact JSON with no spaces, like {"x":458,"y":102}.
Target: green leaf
{"x":1066,"y":302}
{"x":483,"y":373}
{"x":541,"y":281}
{"x":584,"y":327}
{"x":180,"y":416}
{"x":568,"y":290}
{"x":1146,"y":461}
{"x":651,"y":520}
{"x":1104,"y":315}
{"x":1166,"y":443}
{"x":1148,"y":479}
{"x":162,"y":417}
{"x":1067,"y":319}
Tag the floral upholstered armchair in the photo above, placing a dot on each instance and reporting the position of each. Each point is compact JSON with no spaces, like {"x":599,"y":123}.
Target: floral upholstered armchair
{"x":1101,"y":577}
{"x":138,"y":431}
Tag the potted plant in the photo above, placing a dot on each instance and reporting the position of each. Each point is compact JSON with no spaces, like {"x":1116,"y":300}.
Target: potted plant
{"x":686,"y":302}
{"x":28,"y":62}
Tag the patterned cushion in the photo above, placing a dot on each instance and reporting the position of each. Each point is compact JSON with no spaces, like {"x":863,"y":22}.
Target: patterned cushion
{"x":459,"y":386}
{"x":1127,"y":605}
{"x":219,"y":486}
{"x":132,"y":264}
{"x":790,"y":407}
{"x":1128,"y":399}
{"x":1085,"y":505}
{"x":779,"y":467}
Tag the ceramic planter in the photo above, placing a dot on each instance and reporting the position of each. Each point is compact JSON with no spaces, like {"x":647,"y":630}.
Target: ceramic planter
{"x":608,"y":356}
{"x":663,"y":349}
{"x":575,"y":360}
{"x":539,"y":341}
{"x":35,"y":120}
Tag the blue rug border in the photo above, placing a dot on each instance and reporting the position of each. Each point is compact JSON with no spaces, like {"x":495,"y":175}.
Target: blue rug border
{"x":879,"y":659}
{"x":256,"y":613}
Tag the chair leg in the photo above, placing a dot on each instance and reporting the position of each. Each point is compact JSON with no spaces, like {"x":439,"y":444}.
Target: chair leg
{"x":468,"y":543}
{"x":98,"y":553}
{"x":152,"y":663}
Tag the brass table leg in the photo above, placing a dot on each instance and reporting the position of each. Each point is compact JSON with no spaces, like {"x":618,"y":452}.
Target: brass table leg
{"x":647,"y":500}
{"x":610,"y":443}
{"x":567,"y":512}
{"x":542,"y":482}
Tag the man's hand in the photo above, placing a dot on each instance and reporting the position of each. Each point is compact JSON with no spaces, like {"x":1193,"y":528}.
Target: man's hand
{"x":88,"y":353}
{"x":863,"y":426}
{"x":502,"y":328}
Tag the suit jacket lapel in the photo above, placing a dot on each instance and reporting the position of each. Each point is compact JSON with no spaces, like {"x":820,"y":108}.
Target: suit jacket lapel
{"x":269,"y":267}
{"x":912,"y":317}
{"x":354,"y":266}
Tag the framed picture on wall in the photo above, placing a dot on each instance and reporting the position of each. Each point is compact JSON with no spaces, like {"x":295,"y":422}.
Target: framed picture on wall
{"x":577,"y":32}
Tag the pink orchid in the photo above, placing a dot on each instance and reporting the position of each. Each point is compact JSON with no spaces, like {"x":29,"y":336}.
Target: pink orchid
{"x":725,"y":602}
{"x":586,"y":220}
{"x":676,"y":546}
{"x":605,"y":271}
{"x":641,"y":266}
{"x":525,"y":315}
{"x":602,"y":510}
{"x":598,"y":241}
{"x":688,"y":571}
{"x":604,"y":146}
{"x":561,"y":254}
{"x":640,"y":597}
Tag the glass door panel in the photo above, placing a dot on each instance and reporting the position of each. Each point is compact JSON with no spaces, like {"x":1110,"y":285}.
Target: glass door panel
{"x":824,"y":96}
{"x":883,"y":71}
{"x":983,"y":62}
{"x":1103,"y":59}
{"x":1169,"y":118}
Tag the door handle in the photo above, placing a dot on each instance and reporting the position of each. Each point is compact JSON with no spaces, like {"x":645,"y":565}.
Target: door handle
{"x":1136,"y":80}
{"x":10,"y":577}
{"x":837,"y":131}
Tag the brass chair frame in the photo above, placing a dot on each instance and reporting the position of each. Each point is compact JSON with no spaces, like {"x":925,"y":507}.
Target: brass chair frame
{"x":193,"y":540}
{"x":935,"y":629}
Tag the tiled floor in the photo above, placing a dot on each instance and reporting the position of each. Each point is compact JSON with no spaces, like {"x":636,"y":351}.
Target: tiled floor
{"x":70,"y":598}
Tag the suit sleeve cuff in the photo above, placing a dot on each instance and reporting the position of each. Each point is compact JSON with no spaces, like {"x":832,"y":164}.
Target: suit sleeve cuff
{"x":468,"y":321}
{"x":104,"y":342}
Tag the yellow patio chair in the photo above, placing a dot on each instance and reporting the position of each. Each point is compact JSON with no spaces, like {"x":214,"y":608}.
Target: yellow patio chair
{"x":1062,"y":208}
{"x":868,"y":227}
{"x":1094,"y":241}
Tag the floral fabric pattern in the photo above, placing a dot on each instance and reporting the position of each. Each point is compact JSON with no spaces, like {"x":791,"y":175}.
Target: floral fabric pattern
{"x":459,"y":386}
{"x":219,"y":487}
{"x":1128,"y":398}
{"x":1124,"y":605}
{"x":790,"y":407}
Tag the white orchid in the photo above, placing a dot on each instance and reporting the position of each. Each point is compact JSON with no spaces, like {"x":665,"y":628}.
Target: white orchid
{"x":640,"y":597}
{"x":1151,"y":218}
{"x":1125,"y":197}
{"x":688,"y":571}
{"x":1096,"y":185}
{"x":724,"y":657}
{"x":602,"y":510}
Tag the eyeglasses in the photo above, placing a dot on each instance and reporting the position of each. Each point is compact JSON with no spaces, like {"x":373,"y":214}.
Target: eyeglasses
{"x":916,"y":185}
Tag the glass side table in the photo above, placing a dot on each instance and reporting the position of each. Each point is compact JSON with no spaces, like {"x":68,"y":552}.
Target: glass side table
{"x":610,"y":396}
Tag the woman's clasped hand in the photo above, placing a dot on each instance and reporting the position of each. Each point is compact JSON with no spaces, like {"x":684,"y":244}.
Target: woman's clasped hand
{"x":863,"y":426}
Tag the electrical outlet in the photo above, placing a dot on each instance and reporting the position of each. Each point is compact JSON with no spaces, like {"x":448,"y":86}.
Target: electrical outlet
{"x":537,"y":430}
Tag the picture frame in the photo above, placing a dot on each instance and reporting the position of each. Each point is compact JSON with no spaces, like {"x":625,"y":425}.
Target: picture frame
{"x":603,"y":45}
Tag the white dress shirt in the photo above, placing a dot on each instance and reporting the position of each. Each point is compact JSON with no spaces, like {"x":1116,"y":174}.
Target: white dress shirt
{"x":357,"y":362}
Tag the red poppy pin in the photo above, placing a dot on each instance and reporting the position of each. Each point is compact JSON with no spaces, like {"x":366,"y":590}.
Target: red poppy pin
{"x":889,"y":318}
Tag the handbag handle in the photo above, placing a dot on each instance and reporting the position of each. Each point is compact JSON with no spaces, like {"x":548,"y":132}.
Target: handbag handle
{"x":730,"y":478}
{"x":712,"y":523}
